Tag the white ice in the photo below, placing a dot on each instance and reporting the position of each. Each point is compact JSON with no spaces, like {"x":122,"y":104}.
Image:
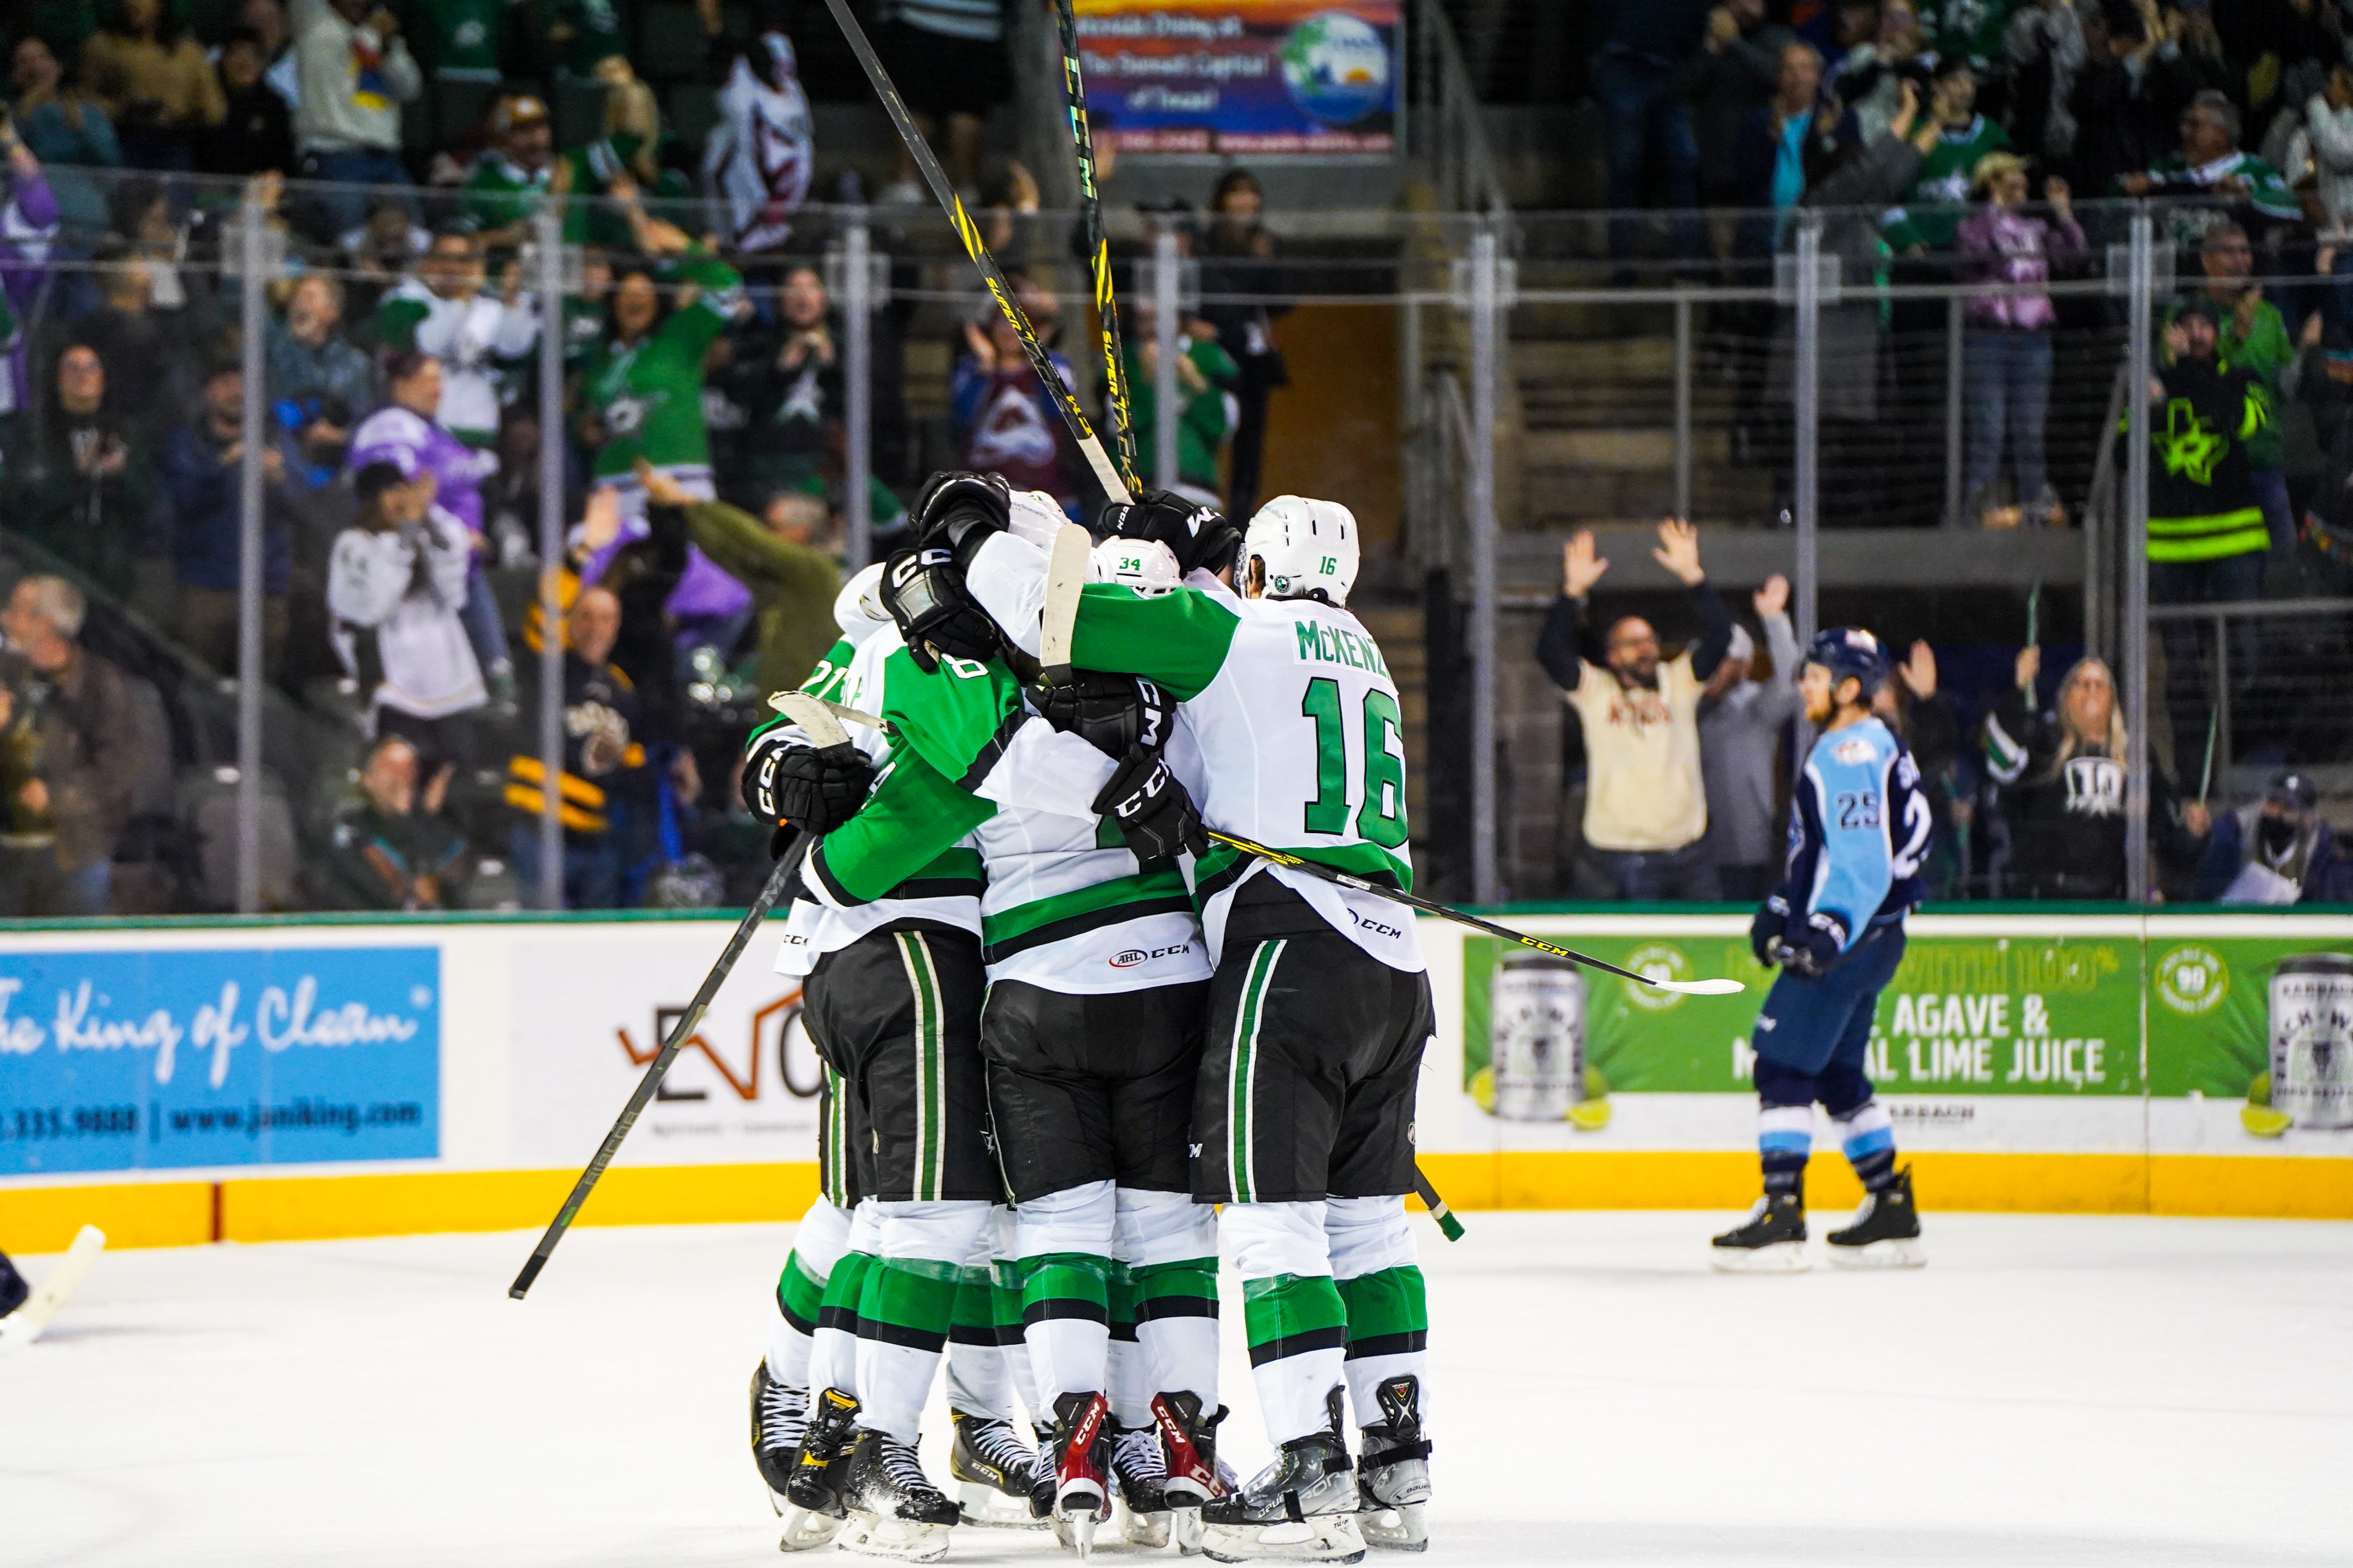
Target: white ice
{"x":2059,"y":1390}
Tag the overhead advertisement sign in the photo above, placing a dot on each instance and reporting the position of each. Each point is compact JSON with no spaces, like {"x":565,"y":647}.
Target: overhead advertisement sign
{"x":1243,"y":78}
{"x":175,"y":1058}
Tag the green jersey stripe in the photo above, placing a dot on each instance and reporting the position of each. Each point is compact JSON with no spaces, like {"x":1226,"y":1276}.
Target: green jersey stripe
{"x":1079,"y":925}
{"x":931,"y":1067}
{"x":1163,"y":882}
{"x":1242,"y":1070}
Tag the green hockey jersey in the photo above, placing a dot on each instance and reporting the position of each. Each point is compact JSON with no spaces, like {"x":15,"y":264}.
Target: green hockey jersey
{"x":649,"y":394}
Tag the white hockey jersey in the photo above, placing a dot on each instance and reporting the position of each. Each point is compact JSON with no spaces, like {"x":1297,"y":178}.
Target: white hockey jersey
{"x":757,"y":162}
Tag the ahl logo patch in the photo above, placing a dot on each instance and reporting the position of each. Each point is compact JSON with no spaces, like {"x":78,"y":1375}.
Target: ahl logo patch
{"x":1130,"y":959}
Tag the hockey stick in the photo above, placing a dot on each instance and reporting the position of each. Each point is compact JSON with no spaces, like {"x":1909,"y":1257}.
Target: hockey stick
{"x":1074,"y":91}
{"x":25,"y":1325}
{"x":1091,"y":445}
{"x":1432,"y":907}
{"x":1066,"y":575}
{"x":823,"y":728}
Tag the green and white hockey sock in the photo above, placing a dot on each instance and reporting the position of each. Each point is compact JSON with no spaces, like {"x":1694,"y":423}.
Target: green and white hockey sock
{"x":1291,"y":1313}
{"x":1066,"y":1320}
{"x":817,"y":1245}
{"x":1170,"y":1246}
{"x":1389,"y":1314}
{"x":833,"y":1348}
{"x":1124,"y":1368}
{"x":907,"y":1308}
{"x":977,"y":1378}
{"x":1005,"y":1297}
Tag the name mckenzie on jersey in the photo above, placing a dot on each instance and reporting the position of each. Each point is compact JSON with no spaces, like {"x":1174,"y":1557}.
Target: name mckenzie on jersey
{"x":1336,"y":645}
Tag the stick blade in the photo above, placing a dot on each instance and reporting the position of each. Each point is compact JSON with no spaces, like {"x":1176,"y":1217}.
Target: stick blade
{"x":815,"y":718}
{"x":25,"y":1325}
{"x":1701,"y":987}
{"x":1066,"y":575}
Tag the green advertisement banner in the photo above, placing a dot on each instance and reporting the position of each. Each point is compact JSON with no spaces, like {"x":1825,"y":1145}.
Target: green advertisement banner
{"x":1964,"y":1015}
{"x":2260,"y":1019}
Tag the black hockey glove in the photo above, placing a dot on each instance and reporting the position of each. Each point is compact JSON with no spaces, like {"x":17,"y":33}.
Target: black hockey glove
{"x":1198,"y":536}
{"x":924,"y":589}
{"x":1155,"y":815}
{"x":1112,"y":713}
{"x":1810,"y":949}
{"x":1765,"y":930}
{"x":959,"y":509}
{"x":790,"y":782}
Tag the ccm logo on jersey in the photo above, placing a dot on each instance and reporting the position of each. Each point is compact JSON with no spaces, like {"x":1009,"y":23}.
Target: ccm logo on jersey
{"x":1373,"y":926}
{"x":1136,"y":955}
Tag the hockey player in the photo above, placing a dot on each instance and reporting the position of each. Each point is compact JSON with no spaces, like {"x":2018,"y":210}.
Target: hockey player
{"x":1092,"y":1030}
{"x":1319,"y":1009}
{"x":13,"y":1288}
{"x":1858,"y":829}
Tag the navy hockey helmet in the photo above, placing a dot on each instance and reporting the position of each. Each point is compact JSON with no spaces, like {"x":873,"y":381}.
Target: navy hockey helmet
{"x":1847,"y":651}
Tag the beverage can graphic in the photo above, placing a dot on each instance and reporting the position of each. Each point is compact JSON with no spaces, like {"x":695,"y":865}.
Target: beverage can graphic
{"x":1536,"y":1037}
{"x":2311,"y":1039}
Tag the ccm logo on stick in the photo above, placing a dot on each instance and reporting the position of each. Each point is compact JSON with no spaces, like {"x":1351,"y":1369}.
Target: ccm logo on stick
{"x":1136,"y":955}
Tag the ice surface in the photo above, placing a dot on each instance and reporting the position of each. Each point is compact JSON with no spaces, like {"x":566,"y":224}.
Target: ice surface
{"x":2060,"y":1391}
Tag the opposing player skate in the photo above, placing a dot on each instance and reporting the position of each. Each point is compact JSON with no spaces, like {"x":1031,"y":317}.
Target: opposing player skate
{"x":1301,"y":1507}
{"x":1771,"y":1240}
{"x":1886,"y":1232}
{"x":1393,"y":1472}
{"x":1191,"y":1473}
{"x":893,"y":1509}
{"x":1139,"y":1487}
{"x":995,"y":1471}
{"x":1081,"y":1459}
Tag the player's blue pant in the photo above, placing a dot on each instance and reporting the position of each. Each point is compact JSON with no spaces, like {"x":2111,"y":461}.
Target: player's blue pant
{"x":1810,"y":1039}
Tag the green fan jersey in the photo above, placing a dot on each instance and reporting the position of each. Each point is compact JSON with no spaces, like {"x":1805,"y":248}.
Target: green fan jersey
{"x":648,"y":394}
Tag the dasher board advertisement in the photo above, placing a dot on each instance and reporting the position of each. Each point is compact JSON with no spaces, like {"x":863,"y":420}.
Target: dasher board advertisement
{"x":591,"y":1009}
{"x":176,"y":1058}
{"x":1247,"y":78}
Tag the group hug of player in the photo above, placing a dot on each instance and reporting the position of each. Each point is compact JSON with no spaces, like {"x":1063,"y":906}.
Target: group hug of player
{"x":1060,"y":1030}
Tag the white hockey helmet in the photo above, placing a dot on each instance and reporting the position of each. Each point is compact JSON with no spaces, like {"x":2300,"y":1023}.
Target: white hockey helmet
{"x":1146,"y":565}
{"x":1035,"y":518}
{"x":858,"y":608}
{"x":1308,"y":548}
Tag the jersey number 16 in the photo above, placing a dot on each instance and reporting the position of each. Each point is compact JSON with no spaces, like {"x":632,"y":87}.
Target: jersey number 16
{"x":1380,"y":814}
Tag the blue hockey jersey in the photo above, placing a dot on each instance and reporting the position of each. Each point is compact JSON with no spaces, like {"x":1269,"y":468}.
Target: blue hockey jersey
{"x":1857,"y":833}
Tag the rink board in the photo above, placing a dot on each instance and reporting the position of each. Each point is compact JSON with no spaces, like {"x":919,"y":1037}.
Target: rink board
{"x":337,"y":1078}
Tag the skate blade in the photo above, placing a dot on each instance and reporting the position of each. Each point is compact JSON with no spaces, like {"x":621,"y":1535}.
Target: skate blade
{"x":900,"y":1539}
{"x":807,"y":1532}
{"x":1148,"y":1531}
{"x":1781,"y":1258}
{"x":1075,"y":1532}
{"x":1400,"y":1529}
{"x":1322,"y":1538}
{"x":986,"y":1507}
{"x":1895,"y":1252}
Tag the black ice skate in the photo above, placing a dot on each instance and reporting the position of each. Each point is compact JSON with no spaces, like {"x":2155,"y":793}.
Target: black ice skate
{"x":816,"y":1478}
{"x":1139,"y":1487}
{"x":995,"y":1471}
{"x":1393,"y":1472}
{"x":1082,"y":1460}
{"x":1772,"y":1241}
{"x":1301,"y":1507}
{"x":894,"y":1511}
{"x":779,"y":1422}
{"x":1886,"y":1232}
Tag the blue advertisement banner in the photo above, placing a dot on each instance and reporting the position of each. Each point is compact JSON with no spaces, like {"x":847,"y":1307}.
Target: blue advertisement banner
{"x":127,"y":1060}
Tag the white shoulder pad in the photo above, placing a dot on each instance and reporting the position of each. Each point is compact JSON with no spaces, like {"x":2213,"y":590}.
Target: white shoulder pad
{"x":858,"y":608}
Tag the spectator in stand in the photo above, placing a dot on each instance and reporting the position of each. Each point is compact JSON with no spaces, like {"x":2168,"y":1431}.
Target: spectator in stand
{"x":758,"y":159}
{"x":1237,"y":259}
{"x":478,"y":338}
{"x":1646,"y":797}
{"x":1206,"y":374}
{"x":199,"y":477}
{"x":508,"y":181}
{"x":947,"y":59}
{"x":1736,"y":73}
{"x":585,"y":34}
{"x":354,"y":71}
{"x":2277,"y":851}
{"x":1935,"y":206}
{"x":29,"y":227}
{"x":2253,"y":338}
{"x":268,"y":20}
{"x":380,"y":255}
{"x":2128,"y":96}
{"x":2006,"y":367}
{"x":154,"y":82}
{"x":787,"y":382}
{"x":405,"y":433}
{"x":394,"y":585}
{"x":78,"y":482}
{"x":1771,"y":164}
{"x":457,"y":40}
{"x":68,"y":714}
{"x":64,"y":129}
{"x":1006,"y":424}
{"x":126,"y":332}
{"x":605,"y":772}
{"x":308,"y":354}
{"x":1870,"y":79}
{"x":628,"y":150}
{"x":2329,"y":132}
{"x":397,"y":849}
{"x":1924,"y":720}
{"x":2061,"y":778}
{"x":256,"y":131}
{"x":793,"y":583}
{"x":1639,"y":78}
{"x":2042,"y":49}
{"x":2211,"y":164}
{"x":640,"y":396}
{"x":1742,"y":719}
